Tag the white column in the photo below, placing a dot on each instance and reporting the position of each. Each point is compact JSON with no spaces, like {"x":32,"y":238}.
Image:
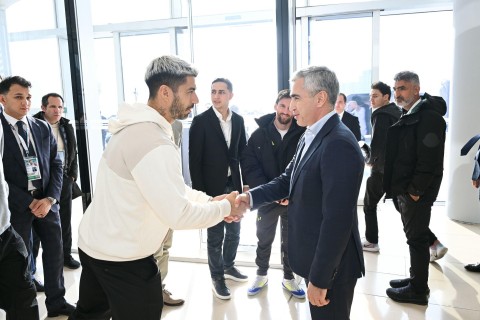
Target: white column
{"x":462,"y":202}
{"x":4,"y":55}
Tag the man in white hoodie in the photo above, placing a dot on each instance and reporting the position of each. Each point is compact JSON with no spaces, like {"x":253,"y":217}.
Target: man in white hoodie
{"x":140,"y":193}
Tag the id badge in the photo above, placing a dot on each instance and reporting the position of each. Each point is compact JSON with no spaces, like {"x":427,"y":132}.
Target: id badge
{"x":33,"y":168}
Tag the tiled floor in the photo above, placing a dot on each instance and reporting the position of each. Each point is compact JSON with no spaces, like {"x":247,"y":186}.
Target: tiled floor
{"x":454,"y":291}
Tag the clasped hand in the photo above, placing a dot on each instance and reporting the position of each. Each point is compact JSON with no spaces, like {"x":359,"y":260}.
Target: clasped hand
{"x":40,"y":208}
{"x":237,"y":212}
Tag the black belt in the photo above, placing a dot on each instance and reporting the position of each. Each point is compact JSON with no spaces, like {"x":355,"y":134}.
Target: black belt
{"x":37,"y":193}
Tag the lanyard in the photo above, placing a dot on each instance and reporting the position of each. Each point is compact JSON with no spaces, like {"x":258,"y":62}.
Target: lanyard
{"x":25,"y":145}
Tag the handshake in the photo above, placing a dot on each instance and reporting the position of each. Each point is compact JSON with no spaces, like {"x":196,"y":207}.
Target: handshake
{"x":239,"y":204}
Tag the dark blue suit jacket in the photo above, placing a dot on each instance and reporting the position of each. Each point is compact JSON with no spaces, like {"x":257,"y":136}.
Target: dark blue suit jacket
{"x":323,"y":239}
{"x":15,"y":172}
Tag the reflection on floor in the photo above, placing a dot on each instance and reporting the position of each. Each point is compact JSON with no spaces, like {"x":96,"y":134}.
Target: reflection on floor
{"x":454,"y":291}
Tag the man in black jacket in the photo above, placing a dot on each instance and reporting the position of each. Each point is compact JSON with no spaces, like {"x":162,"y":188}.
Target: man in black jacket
{"x":269,"y":150}
{"x":384,"y":115}
{"x":52,"y":111}
{"x":413,"y":174}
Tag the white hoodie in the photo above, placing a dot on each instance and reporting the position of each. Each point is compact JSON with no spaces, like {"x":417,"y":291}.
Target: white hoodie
{"x":140,"y":192}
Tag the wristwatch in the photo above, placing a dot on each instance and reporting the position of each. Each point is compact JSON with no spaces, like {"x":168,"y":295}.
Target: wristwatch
{"x":52,"y":200}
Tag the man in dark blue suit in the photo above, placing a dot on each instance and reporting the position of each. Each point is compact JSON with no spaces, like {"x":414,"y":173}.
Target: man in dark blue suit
{"x":33,"y":172}
{"x":322,"y":183}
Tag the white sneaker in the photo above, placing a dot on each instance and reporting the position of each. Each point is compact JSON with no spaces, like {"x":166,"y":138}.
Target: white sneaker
{"x":437,"y":251}
{"x":292,"y":287}
{"x":371,"y":247}
{"x":257,"y":285}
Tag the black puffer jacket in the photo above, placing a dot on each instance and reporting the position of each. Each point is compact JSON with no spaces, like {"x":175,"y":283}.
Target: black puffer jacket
{"x":267,"y":155}
{"x":415,"y":149}
{"x":382,"y":119}
{"x":68,"y":137}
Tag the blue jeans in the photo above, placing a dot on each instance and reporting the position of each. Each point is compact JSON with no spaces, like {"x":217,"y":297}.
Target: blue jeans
{"x":218,"y":259}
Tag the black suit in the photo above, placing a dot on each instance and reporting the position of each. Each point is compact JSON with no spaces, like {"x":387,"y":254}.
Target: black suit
{"x":353,"y":124}
{"x":324,"y":242}
{"x":19,"y":199}
{"x":209,"y":155}
{"x":210,"y":158}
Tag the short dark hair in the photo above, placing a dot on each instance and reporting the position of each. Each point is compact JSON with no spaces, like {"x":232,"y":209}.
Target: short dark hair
{"x":167,"y":70}
{"x":285,"y":93}
{"x":10,"y":81}
{"x":48,"y":95}
{"x":226,"y":81}
{"x":383,"y":88}
{"x":344,"y":96}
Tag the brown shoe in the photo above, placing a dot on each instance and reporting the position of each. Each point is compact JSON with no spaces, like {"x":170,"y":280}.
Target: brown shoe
{"x":169,"y":301}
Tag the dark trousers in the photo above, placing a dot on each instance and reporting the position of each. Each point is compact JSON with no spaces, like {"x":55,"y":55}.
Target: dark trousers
{"x":49,"y":231}
{"x":227,"y":234}
{"x":66,"y":215}
{"x":221,"y":259}
{"x":415,"y":219}
{"x":267,"y":220}
{"x":17,"y":293}
{"x":341,"y":298}
{"x":431,"y":236}
{"x":66,"y":223}
{"x":120,"y":290}
{"x":373,"y":195}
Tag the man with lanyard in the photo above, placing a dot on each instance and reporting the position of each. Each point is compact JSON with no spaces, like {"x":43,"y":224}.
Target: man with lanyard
{"x":33,"y":172}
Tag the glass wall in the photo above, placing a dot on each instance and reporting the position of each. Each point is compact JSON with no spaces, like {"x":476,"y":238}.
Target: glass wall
{"x":348,"y":52}
{"x":233,"y":39}
{"x":426,"y":50}
{"x":37,"y":61}
{"x":135,"y":60}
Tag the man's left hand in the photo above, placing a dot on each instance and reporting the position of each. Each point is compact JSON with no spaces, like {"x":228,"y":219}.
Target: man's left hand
{"x":317,"y":296}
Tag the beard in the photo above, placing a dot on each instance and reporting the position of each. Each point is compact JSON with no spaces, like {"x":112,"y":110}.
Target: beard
{"x":178,"y":111}
{"x":402,"y":102}
{"x":286,"y":119}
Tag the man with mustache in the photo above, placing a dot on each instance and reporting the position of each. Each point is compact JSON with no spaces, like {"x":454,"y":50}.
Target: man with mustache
{"x":140,"y":194}
{"x":217,"y":139}
{"x":413,"y":174}
{"x":269,"y":150}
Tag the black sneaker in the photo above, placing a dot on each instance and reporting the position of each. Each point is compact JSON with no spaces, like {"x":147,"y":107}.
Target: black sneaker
{"x":220,"y":289}
{"x":400,"y":283}
{"x":70,"y":263}
{"x":408,"y":295}
{"x":66,"y":310}
{"x":235,"y":275}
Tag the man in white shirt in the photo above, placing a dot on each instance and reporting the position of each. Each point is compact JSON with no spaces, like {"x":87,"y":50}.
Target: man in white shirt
{"x":216,"y":142}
